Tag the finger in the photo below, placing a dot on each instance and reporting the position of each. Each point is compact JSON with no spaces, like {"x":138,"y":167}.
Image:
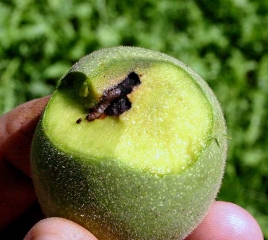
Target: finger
{"x":16,"y":193}
{"x":58,"y":229}
{"x":227,"y":221}
{"x":16,"y":131}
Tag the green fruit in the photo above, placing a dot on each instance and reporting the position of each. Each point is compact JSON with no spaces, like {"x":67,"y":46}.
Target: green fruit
{"x":148,"y":164}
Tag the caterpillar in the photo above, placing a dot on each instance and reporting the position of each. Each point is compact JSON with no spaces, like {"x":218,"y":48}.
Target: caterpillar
{"x":114,"y":101}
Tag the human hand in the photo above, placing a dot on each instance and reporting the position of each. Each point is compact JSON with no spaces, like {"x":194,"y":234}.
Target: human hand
{"x":225,"y":221}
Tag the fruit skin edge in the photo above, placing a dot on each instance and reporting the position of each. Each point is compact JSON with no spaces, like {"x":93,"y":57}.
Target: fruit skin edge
{"x":167,"y":207}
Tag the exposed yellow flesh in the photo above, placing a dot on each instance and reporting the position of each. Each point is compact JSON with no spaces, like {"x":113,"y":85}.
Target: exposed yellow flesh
{"x":166,"y":129}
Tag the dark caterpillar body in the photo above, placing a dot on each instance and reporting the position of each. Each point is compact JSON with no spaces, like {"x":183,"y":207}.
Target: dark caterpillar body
{"x":114,"y":101}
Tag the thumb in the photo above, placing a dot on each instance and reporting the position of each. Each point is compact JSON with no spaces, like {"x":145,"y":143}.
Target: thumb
{"x":58,"y":229}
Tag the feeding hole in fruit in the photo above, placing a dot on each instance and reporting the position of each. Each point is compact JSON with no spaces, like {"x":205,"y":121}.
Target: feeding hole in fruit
{"x":114,"y":101}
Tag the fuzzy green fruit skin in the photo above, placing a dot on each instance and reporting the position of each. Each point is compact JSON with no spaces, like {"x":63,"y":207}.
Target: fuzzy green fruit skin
{"x":114,"y":201}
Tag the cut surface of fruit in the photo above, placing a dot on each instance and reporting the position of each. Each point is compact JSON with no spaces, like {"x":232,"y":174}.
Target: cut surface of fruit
{"x":166,"y":128}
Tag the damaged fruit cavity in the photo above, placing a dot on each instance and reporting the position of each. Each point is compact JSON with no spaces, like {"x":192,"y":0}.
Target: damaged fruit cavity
{"x":114,"y":101}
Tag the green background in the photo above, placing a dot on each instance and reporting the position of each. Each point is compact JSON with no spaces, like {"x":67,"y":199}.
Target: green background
{"x":225,"y":41}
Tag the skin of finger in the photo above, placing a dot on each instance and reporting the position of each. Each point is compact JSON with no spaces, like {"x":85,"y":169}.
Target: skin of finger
{"x":58,"y":229}
{"x":227,"y":221}
{"x":16,"y":131}
{"x":16,"y":193}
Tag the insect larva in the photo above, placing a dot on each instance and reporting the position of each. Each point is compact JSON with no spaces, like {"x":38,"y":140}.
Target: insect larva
{"x":105,"y":101}
{"x":114,"y":101}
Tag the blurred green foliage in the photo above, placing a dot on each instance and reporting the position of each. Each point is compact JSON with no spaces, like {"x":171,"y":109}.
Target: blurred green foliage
{"x":225,"y":41}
